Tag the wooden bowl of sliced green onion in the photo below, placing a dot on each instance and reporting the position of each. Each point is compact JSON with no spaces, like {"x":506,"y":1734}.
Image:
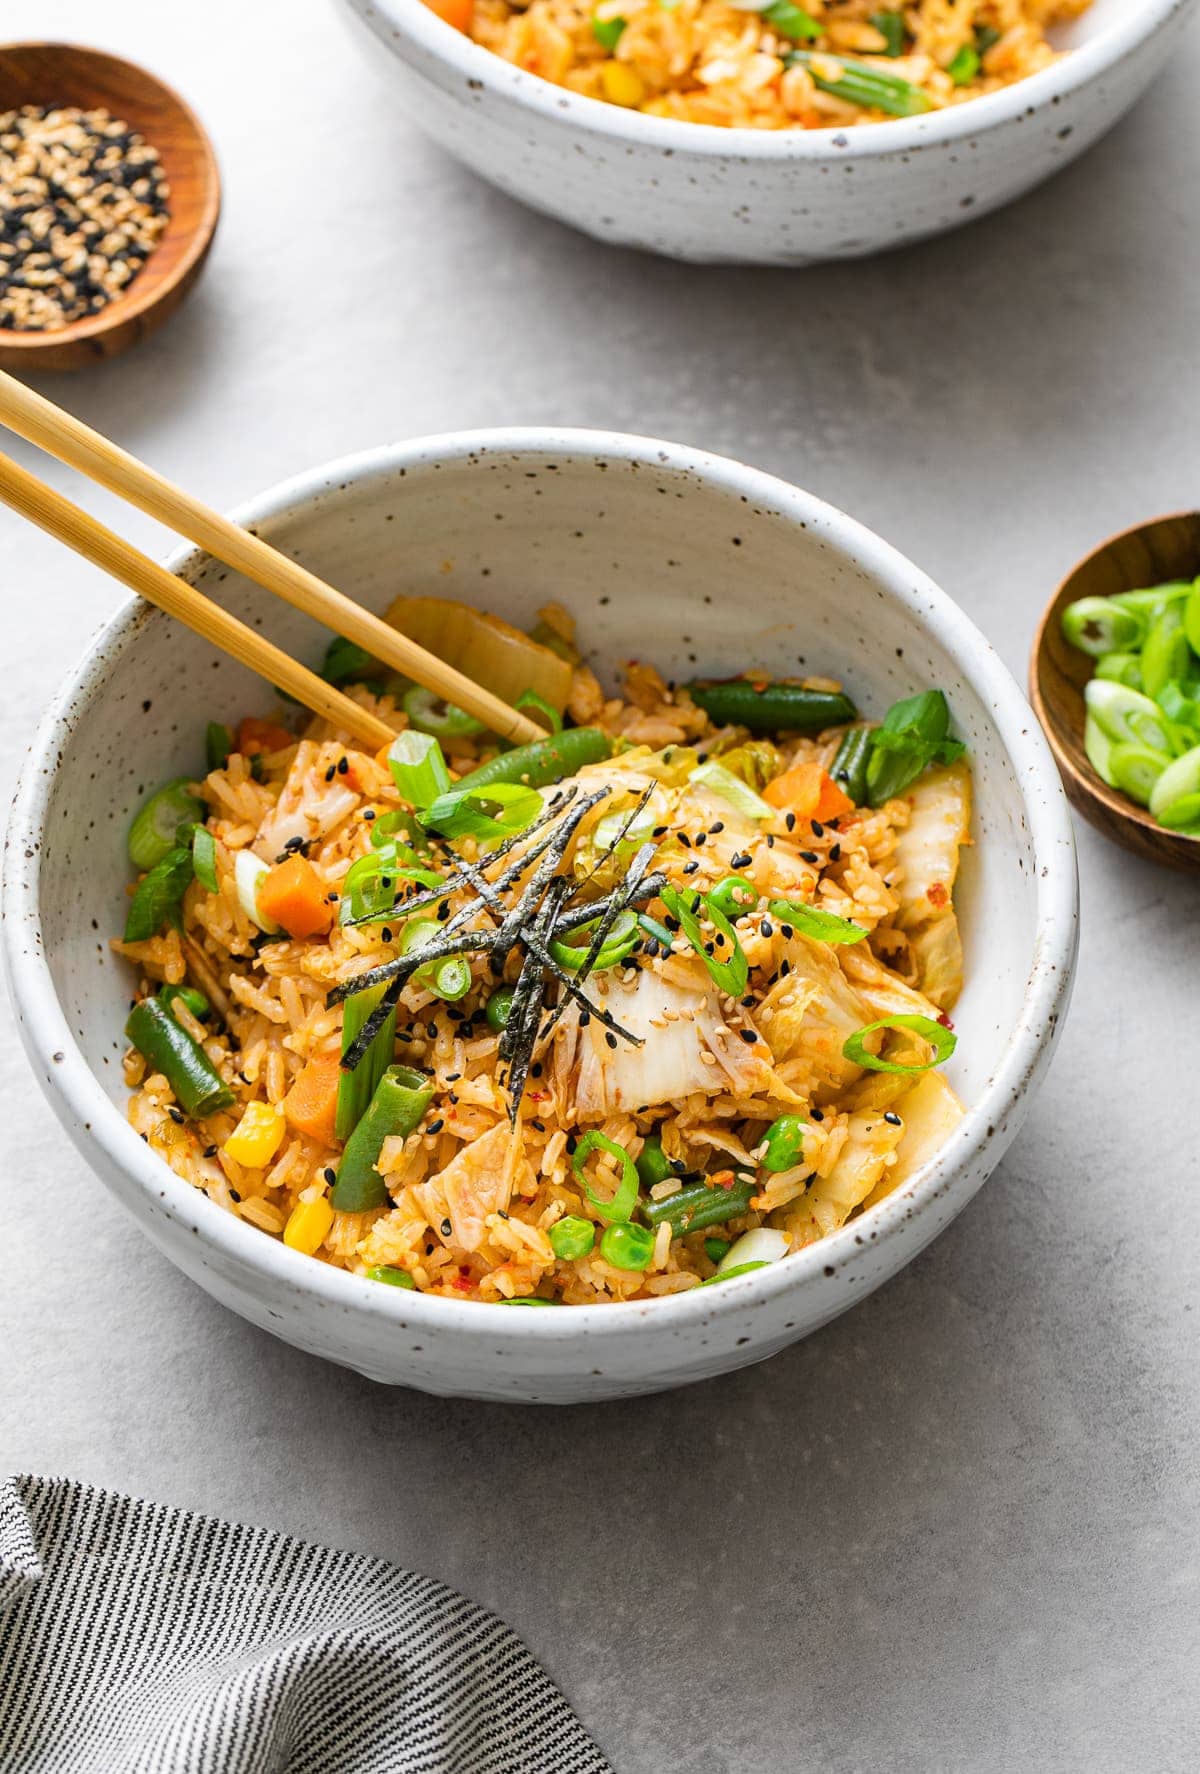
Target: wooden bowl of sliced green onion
{"x":1115,"y":683}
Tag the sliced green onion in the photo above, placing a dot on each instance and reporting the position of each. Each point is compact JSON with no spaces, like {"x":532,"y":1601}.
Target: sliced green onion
{"x":1182,"y":815}
{"x":388,"y":1273}
{"x":965,"y":66}
{"x":1149,"y":603}
{"x":249,"y":873}
{"x":783,"y":1143}
{"x":1191,"y":617}
{"x":571,"y":952}
{"x":986,"y":37}
{"x":720,"y":781}
{"x":1121,"y":668}
{"x":450,"y":979}
{"x":791,"y":21}
{"x":942,"y":1040}
{"x":156,"y":824}
{"x":732,"y":1274}
{"x":1100,"y":625}
{"x":499,"y":1008}
{"x":199,"y":1088}
{"x":356,"y":1088}
{"x":1180,"y":708}
{"x":734,"y":897}
{"x":530,"y":698}
{"x":430,"y":714}
{"x":399,"y":1100}
{"x":1098,"y":747}
{"x":731,"y":974}
{"x":1135,"y":770}
{"x":890,"y":26}
{"x":527,"y":1300}
{"x":862,"y":85}
{"x":627,"y":1247}
{"x":1165,"y":652}
{"x":624,"y":1199}
{"x":496,"y":811}
{"x":369,"y":889}
{"x":700,"y":1204}
{"x":418,"y":768}
{"x":159,"y":895}
{"x":572,"y":1238}
{"x":607,"y":32}
{"x":204,"y":859}
{"x":658,"y":931}
{"x":652,"y":1164}
{"x":348,"y":663}
{"x":1178,"y":782}
{"x":761,"y":1245}
{"x":218,"y":743}
{"x":809,"y":920}
{"x":1127,"y":717}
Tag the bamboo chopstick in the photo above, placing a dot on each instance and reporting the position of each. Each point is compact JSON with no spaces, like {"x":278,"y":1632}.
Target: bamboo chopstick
{"x":82,"y":532}
{"x":40,"y":422}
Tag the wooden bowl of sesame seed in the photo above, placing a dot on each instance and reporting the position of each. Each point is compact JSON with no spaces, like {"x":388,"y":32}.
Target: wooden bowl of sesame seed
{"x":109,"y":199}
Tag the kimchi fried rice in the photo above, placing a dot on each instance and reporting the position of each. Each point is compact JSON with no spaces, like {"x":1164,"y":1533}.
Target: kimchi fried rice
{"x":771,"y":64}
{"x":609,"y":1018}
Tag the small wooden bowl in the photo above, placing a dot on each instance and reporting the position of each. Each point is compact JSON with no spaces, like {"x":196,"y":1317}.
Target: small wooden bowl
{"x":1149,"y":554}
{"x":64,"y":74}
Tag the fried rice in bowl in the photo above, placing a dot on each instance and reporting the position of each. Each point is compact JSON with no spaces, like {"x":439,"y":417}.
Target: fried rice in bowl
{"x":735,"y":1068}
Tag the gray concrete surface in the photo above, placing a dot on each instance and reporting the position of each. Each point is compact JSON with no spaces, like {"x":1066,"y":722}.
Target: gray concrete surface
{"x":957,"y":1530}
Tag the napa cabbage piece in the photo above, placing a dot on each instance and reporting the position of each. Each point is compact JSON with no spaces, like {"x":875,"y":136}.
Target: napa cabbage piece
{"x":930,"y":1112}
{"x":926,"y":868}
{"x":477,"y":1182}
{"x":830,"y":1200}
{"x":814,"y":1010}
{"x":309,"y":807}
{"x":484,"y":647}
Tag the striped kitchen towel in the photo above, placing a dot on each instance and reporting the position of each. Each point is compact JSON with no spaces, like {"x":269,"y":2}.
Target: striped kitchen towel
{"x":138,"y":1639}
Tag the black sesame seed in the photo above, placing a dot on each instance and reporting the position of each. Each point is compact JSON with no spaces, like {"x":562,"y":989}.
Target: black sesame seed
{"x":610,"y":1037}
{"x":343,"y":766}
{"x":818,"y":830}
{"x":892,"y":1119}
{"x":767,"y":928}
{"x":330,"y":1174}
{"x":436,"y":1125}
{"x":809,"y":856}
{"x":748,"y":1036}
{"x":689,"y":868}
{"x":790,"y":822}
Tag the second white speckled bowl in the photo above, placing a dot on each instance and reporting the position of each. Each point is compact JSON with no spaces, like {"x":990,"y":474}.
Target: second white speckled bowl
{"x":766,"y":197}
{"x":686,"y":559}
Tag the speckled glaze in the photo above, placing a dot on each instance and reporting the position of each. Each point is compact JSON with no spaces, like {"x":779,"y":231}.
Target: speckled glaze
{"x":687,"y":559}
{"x":767,"y":197}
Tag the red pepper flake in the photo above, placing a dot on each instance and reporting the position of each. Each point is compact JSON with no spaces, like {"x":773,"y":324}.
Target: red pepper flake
{"x":937,"y":894}
{"x":463,"y":1283}
{"x":723,"y":1179}
{"x":945,"y":1021}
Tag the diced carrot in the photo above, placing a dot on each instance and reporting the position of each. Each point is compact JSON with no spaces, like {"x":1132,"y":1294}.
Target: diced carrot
{"x":809,"y":792}
{"x":254,"y":736}
{"x":311,"y":1104}
{"x":294,"y":895}
{"x":458,"y":13}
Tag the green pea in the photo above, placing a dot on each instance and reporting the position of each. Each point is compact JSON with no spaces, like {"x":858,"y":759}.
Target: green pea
{"x":627,"y":1247}
{"x":393,"y":1277}
{"x":734,"y":897}
{"x":653,"y":1165}
{"x":572,"y":1237}
{"x":784,"y":1143}
{"x":498,"y":1007}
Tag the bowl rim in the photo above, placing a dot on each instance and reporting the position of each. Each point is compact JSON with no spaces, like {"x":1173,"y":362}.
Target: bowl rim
{"x":413,"y":22}
{"x":47,"y":1031}
{"x":135,"y":303}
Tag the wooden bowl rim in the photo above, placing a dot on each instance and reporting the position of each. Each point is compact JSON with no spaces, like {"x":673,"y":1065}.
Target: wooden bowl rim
{"x":137,"y":302}
{"x":1088,"y":784}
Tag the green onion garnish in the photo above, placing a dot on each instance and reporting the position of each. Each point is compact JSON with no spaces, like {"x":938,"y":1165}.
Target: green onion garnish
{"x":607,"y":32}
{"x":218,"y":743}
{"x":890,"y":26}
{"x":498,"y":1007}
{"x":622,"y":938}
{"x":942,"y":1040}
{"x":428,"y":713}
{"x":862,"y":85}
{"x":155,"y":827}
{"x":624,"y":1200}
{"x":450,"y":979}
{"x":1099,"y":625}
{"x":346,"y":662}
{"x":530,"y":698}
{"x":730,"y":972}
{"x":204,"y":858}
{"x":790,"y":20}
{"x":965,"y":66}
{"x":737,"y":1269}
{"x":809,"y":920}
{"x":658,"y":931}
{"x":387,"y":1272}
{"x":418,"y":768}
{"x":495,"y":811}
{"x":159,"y":895}
{"x":720,"y":781}
{"x":356,"y":1088}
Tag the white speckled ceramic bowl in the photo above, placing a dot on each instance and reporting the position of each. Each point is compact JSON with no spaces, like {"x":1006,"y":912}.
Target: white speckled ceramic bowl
{"x":687,"y":559}
{"x":767,"y":197}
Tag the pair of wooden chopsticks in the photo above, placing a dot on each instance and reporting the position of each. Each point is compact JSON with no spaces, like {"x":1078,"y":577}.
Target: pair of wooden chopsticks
{"x":40,"y":422}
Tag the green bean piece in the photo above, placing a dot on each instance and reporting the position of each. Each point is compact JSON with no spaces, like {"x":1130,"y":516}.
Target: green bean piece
{"x":784,"y":1143}
{"x":861,"y":85}
{"x":572,"y":1237}
{"x":543,"y":762}
{"x":218,"y":743}
{"x":849,"y":768}
{"x":196,"y":1002}
{"x":204,"y":858}
{"x":356,"y":1088}
{"x":768,"y":707}
{"x":156,"y":824}
{"x":1166,"y":655}
{"x":652,"y":1164}
{"x":159,"y":895}
{"x":691,"y":1209}
{"x":627,"y":1247}
{"x":199,"y":1088}
{"x":401,"y":1098}
{"x":499,"y":1007}
{"x":787,"y":19}
{"x":387,"y":1272}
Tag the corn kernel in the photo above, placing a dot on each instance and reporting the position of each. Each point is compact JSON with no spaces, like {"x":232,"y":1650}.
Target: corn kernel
{"x":622,"y":85}
{"x":308,"y":1226}
{"x":255,"y":1139}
